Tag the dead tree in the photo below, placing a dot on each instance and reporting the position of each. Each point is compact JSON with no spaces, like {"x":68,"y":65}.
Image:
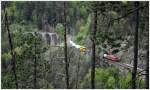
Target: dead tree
{"x":65,"y":48}
{"x":135,"y":62}
{"x":13,"y":61}
{"x":93,"y":47}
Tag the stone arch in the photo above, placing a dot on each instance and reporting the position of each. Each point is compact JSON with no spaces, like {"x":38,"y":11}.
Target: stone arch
{"x":54,"y":37}
{"x":48,"y":39}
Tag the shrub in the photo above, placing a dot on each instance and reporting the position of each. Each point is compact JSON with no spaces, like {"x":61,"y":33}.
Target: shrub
{"x":104,"y":78}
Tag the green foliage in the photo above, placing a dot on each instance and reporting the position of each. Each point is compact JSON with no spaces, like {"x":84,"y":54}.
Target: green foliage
{"x":84,"y":32}
{"x":6,"y":56}
{"x":24,"y":46}
{"x":125,"y":81}
{"x":83,"y":11}
{"x":140,"y":82}
{"x":11,"y":9}
{"x":109,"y":78}
{"x":7,"y":81}
{"x":111,"y":82}
{"x":125,"y":2}
{"x":28,"y":16}
{"x":104,"y":78}
{"x":101,"y":37}
{"x":18,"y":51}
{"x":114,"y":14}
{"x":77,"y":26}
{"x":60,"y":30}
{"x":50,"y":86}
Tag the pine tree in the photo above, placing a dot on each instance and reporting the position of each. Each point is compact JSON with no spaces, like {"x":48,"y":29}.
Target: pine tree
{"x":65,"y":49}
{"x":134,"y":72}
{"x":93,"y":47}
{"x":13,"y":61}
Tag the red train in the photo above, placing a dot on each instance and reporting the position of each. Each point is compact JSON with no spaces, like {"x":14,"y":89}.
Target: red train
{"x":111,"y":57}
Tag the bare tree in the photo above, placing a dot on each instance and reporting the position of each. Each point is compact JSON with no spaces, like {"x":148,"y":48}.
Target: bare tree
{"x":134,"y":71}
{"x":93,"y":47}
{"x":65,"y":49}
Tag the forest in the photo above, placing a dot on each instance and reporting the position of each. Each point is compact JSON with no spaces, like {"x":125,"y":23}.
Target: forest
{"x":74,"y":44}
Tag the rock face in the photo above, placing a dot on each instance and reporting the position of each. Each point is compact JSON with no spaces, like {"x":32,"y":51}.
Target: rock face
{"x":48,"y":28}
{"x":48,"y":38}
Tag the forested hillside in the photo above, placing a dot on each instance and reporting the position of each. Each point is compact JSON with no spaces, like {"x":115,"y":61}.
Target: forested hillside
{"x":74,"y":44}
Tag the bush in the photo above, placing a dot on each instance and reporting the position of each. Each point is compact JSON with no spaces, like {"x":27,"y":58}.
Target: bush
{"x":125,"y":81}
{"x":6,"y":56}
{"x":104,"y":78}
{"x":109,"y":78}
{"x":60,"y":30}
{"x":84,"y":32}
{"x":8,"y":81}
{"x":111,"y":82}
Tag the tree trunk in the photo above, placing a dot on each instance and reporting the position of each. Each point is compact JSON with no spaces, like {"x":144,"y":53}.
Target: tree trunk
{"x":77,"y":71}
{"x":147,"y":69}
{"x":93,"y":48}
{"x":65,"y":49}
{"x":13,"y":61}
{"x":134,"y":72}
{"x":55,"y":11}
{"x":35,"y":62}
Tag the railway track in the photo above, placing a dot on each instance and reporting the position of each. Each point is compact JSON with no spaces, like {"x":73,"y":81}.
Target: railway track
{"x":119,"y":64}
